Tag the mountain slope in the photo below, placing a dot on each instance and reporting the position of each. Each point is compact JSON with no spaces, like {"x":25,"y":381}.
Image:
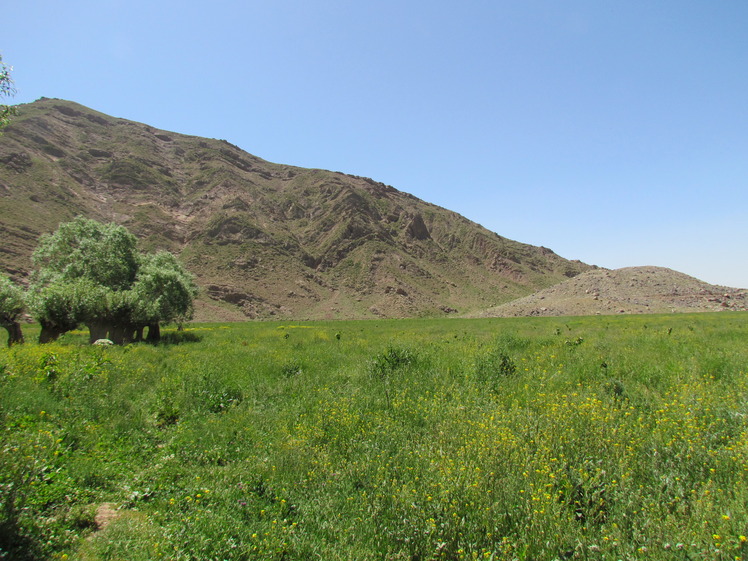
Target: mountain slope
{"x":264,"y":239}
{"x":631,"y":290}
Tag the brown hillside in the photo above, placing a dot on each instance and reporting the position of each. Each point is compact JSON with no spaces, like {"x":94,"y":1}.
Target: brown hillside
{"x":631,"y":290}
{"x":265,"y":240}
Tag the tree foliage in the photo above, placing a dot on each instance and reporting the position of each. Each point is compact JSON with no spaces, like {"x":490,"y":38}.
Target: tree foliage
{"x":164,"y":290}
{"x":6,"y":90}
{"x":12,"y":305}
{"x":60,"y":306}
{"x":92,"y":273}
{"x":105,"y":254}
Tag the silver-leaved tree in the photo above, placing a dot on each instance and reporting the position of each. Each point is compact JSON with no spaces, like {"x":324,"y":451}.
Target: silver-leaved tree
{"x":89,"y":273}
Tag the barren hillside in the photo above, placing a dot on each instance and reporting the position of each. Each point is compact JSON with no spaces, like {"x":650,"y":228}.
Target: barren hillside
{"x":631,"y":290}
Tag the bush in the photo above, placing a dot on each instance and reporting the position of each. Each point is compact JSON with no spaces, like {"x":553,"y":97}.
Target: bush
{"x":391,"y":359}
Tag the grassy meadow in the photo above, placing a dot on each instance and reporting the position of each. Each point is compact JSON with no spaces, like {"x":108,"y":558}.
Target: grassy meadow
{"x":504,"y":439}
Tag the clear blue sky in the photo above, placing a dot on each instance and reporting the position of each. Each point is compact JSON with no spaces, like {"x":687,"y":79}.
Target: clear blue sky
{"x":615,"y":132}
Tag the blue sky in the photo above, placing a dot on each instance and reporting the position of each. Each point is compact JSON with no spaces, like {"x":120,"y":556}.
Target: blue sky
{"x":612,"y":132}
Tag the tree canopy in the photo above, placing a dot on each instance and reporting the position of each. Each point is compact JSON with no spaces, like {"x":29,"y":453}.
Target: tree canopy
{"x":6,"y":90}
{"x":92,"y":273}
{"x":104,"y":254}
{"x":164,"y":290}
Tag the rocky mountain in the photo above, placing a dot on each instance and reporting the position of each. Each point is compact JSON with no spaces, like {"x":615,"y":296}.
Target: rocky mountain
{"x":264,"y":239}
{"x":631,"y":290}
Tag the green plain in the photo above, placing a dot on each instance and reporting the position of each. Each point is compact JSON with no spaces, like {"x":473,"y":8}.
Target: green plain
{"x":540,"y":438}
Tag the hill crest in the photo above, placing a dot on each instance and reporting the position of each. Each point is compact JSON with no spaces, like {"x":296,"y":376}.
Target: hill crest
{"x":630,"y":290}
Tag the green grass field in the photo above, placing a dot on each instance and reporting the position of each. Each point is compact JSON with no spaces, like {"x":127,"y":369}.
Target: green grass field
{"x":530,"y":439}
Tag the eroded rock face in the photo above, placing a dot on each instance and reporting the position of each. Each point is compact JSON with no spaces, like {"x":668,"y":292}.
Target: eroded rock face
{"x":417,"y":228}
{"x":226,"y":294}
{"x":18,"y":162}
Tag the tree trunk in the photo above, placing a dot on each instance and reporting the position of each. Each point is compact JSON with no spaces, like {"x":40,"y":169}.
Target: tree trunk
{"x":122,"y":334}
{"x":96,"y":331}
{"x":154,"y":333}
{"x":15,"y":335}
{"x":129,"y":335}
{"x":139,"y":334}
{"x":49,"y":333}
{"x":117,"y":335}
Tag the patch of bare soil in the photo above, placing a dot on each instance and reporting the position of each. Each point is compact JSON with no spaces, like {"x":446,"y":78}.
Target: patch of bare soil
{"x":105,"y":515}
{"x":631,"y":290}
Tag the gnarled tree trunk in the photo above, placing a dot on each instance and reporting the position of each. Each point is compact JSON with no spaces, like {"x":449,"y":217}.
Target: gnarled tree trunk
{"x":154,"y":333}
{"x":15,"y":335}
{"x":97,"y":330}
{"x":50,"y":333}
{"x":122,"y":334}
{"x":139,"y":334}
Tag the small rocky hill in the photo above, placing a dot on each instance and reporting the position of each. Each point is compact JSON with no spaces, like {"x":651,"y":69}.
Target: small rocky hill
{"x":265,"y":240}
{"x":631,"y":290}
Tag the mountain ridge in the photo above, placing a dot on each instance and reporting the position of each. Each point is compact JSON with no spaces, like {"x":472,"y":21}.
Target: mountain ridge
{"x":264,"y":239}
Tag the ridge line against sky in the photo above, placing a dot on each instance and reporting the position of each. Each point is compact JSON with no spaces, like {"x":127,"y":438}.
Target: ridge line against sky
{"x":612,"y":132}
